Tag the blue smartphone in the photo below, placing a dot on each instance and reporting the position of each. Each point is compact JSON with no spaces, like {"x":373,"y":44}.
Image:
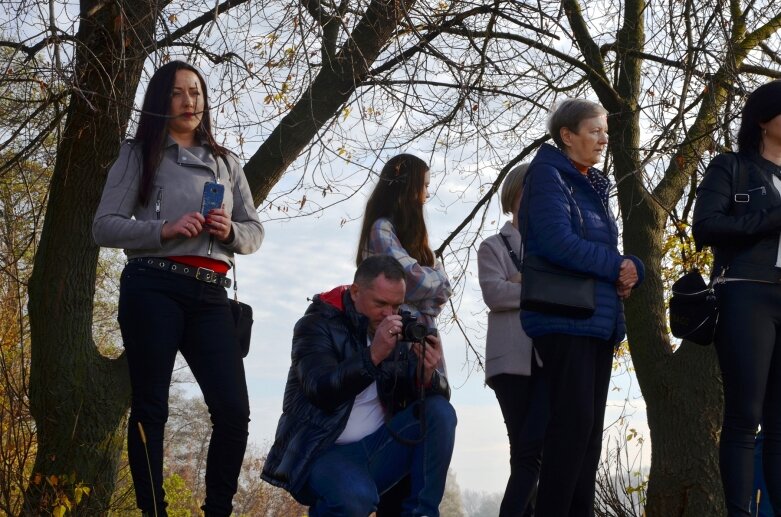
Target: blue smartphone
{"x":212,"y":197}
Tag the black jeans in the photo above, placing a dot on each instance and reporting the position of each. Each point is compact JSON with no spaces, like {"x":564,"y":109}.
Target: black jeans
{"x":525,"y":408}
{"x":577,"y":372}
{"x":160,"y":313}
{"x":748,"y":343}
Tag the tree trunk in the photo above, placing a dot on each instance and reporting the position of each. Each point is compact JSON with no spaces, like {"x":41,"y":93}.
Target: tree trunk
{"x":77,"y":397}
{"x":681,"y":390}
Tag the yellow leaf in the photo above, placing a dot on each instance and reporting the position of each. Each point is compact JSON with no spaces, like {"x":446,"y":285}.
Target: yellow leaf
{"x":59,"y":511}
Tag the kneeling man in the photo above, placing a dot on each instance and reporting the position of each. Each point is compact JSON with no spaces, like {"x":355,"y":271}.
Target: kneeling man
{"x":363,"y":407}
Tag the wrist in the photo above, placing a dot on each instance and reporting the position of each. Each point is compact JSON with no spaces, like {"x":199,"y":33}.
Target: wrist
{"x":164,"y":231}
{"x":373,"y":356}
{"x":231,"y":236}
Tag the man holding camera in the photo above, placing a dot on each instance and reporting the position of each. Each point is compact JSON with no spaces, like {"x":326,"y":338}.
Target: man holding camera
{"x":364,"y":404}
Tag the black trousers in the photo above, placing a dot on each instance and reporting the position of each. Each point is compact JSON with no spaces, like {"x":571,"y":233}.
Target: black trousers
{"x":160,"y":313}
{"x":525,"y":407}
{"x":748,"y":343}
{"x":577,"y":372}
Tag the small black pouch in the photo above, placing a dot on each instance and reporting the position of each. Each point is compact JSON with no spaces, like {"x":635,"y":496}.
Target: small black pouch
{"x":242,"y":317}
{"x":693,"y":309}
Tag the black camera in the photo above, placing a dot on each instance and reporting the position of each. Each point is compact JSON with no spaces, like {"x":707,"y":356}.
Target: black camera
{"x":412,"y":329}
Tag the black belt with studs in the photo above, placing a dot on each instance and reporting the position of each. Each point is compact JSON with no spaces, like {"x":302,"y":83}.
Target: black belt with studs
{"x":199,"y":273}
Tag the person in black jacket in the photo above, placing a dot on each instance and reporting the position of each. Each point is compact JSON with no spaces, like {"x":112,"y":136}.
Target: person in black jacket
{"x":363,"y":407}
{"x":738,"y":214}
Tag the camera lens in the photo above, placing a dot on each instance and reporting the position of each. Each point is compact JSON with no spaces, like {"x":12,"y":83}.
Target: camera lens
{"x":414,"y":331}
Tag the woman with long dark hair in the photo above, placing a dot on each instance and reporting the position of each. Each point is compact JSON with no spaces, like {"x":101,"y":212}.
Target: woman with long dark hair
{"x":172,"y":290}
{"x":393,"y":224}
{"x":738,"y":214}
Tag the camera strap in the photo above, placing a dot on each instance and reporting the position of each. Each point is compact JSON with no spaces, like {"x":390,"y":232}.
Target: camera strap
{"x":421,"y":400}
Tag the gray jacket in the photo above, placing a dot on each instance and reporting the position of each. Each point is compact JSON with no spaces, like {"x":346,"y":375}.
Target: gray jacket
{"x":507,"y":349}
{"x":121,"y":222}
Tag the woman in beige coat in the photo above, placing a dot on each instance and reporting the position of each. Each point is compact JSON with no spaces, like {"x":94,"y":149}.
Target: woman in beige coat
{"x":508,"y":353}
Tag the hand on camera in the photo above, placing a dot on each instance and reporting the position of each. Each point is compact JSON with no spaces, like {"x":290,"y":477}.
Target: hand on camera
{"x":188,"y":226}
{"x":385,"y":337}
{"x":432,"y":357}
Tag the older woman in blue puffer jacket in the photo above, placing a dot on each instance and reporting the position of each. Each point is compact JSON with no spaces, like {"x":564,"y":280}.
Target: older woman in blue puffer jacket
{"x":566,"y":219}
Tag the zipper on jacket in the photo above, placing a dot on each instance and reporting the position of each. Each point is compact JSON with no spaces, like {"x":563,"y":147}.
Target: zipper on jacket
{"x":762,"y":188}
{"x":159,"y":203}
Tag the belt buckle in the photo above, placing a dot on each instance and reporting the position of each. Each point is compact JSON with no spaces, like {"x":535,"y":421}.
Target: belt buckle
{"x":206,"y":275}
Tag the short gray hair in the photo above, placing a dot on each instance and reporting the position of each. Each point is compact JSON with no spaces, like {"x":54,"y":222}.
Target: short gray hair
{"x":512,"y":185}
{"x":570,"y":113}
{"x":376,"y":265}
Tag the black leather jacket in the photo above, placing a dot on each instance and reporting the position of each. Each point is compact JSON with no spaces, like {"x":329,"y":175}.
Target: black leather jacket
{"x":331,"y":365}
{"x":740,"y":218}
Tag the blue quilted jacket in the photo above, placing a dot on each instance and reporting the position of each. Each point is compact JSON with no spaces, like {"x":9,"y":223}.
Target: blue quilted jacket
{"x":552,"y":226}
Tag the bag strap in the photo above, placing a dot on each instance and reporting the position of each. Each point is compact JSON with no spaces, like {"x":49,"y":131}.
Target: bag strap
{"x":739,"y":184}
{"x":527,"y":191}
{"x":233,"y":269}
{"x":512,"y":253}
{"x":235,"y":284}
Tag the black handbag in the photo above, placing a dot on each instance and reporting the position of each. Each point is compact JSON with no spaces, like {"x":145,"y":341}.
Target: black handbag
{"x":242,"y":317}
{"x":242,"y":312}
{"x":694,"y":311}
{"x":551,"y":289}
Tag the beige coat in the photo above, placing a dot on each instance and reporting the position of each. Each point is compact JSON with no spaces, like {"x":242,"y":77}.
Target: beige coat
{"x":507,"y":349}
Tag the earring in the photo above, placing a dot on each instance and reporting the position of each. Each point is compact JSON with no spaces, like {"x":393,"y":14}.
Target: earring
{"x":764,"y":132}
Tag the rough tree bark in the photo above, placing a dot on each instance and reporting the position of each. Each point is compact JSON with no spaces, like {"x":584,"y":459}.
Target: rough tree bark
{"x":681,"y":388}
{"x":78,"y":398}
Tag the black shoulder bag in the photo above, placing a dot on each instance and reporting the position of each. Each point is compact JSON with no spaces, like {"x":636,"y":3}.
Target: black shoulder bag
{"x":552,"y":289}
{"x":242,"y":312}
{"x":242,"y":317}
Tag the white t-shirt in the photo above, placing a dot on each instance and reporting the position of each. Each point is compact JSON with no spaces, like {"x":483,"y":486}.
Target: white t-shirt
{"x":367,"y":415}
